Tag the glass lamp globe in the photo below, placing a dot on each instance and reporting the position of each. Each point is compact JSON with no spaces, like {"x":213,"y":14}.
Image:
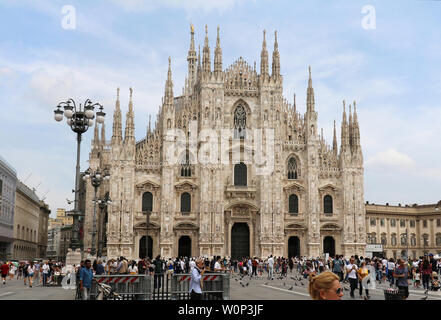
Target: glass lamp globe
{"x":90,"y":122}
{"x":68,"y":111}
{"x":100,"y":116}
{"x":69,"y":122}
{"x":58,"y":115}
{"x":88,"y":111}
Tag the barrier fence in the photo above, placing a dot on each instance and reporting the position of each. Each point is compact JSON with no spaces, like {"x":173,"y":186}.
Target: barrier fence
{"x":216,"y":286}
{"x":132,"y":287}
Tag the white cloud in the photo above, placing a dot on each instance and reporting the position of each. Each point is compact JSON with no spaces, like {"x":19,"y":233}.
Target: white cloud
{"x":391,"y":158}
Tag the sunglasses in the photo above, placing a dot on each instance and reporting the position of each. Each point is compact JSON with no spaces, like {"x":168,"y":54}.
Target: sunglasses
{"x":339,"y":290}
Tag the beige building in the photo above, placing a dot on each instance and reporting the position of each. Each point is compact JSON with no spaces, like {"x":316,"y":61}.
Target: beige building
{"x":43,"y":225}
{"x":409,"y":230}
{"x":61,"y":220}
{"x":231,"y":168}
{"x":26,"y":223}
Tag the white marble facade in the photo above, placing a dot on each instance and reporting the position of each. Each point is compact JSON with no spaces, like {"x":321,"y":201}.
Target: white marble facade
{"x":215,"y":102}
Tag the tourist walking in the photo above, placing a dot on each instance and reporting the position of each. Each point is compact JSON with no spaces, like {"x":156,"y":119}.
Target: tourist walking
{"x":363,"y":272}
{"x":31,"y":273}
{"x":270,"y":268}
{"x":351,"y":271}
{"x":86,"y":275}
{"x":196,"y":280}
{"x":426,"y":272}
{"x":4,"y":269}
{"x":400,"y":274}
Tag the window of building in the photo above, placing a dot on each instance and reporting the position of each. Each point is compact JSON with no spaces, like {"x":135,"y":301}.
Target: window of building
{"x":412,"y":223}
{"x":438,"y":222}
{"x":292,"y":168}
{"x":373,"y":222}
{"x":327,"y":204}
{"x":392,"y":222}
{"x":394,"y":240}
{"x":426,"y":239}
{"x":382,"y":222}
{"x":403,"y":240}
{"x":438,"y":239}
{"x":413,"y":240}
{"x":384,"y":239}
{"x":402,"y":223}
{"x":186,"y":202}
{"x":293,"y":204}
{"x":147,"y":202}
{"x":424,"y":223}
{"x":185,"y":165}
{"x":240,"y":120}
{"x":240,"y":174}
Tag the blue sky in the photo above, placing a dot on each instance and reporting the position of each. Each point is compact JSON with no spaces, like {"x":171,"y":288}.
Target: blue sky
{"x":392,"y":71}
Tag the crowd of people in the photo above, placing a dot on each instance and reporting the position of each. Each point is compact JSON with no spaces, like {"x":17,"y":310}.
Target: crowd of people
{"x":33,"y":272}
{"x":398,"y":273}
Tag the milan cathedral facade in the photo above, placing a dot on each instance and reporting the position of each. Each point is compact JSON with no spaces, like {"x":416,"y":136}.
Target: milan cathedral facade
{"x":231,"y":169}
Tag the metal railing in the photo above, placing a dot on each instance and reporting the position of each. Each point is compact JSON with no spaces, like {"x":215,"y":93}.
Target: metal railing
{"x":132,"y":287}
{"x":162,"y":286}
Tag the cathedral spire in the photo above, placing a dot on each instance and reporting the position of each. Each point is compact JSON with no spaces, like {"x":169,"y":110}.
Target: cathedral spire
{"x":351,"y":128}
{"x":129,"y":133}
{"x":117,"y":126}
{"x":96,"y":139}
{"x":295,"y":107}
{"x":276,"y":58}
{"x":310,"y":103}
{"x":264,"y":58}
{"x":199,"y":70}
{"x":191,"y":59}
{"x":334,"y":141}
{"x":217,"y":56}
{"x":344,"y":130}
{"x":206,"y":63}
{"x":103,"y":135}
{"x":356,"y":128}
{"x":169,"y":85}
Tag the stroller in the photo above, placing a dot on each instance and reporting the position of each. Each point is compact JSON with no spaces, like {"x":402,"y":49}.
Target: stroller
{"x":435,"y":285}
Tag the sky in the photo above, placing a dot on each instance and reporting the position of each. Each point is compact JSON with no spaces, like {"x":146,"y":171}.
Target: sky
{"x":386,"y":55}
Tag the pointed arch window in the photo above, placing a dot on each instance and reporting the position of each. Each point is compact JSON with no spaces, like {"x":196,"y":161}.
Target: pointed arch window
{"x":240,"y":121}
{"x":293,"y":204}
{"x":185,"y":202}
{"x":327,"y":204}
{"x":292,"y":169}
{"x":147,"y":202}
{"x":240,"y":174}
{"x":185,"y":165}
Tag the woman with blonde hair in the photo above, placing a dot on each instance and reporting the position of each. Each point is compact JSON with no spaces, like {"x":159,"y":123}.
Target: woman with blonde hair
{"x":325,"y":286}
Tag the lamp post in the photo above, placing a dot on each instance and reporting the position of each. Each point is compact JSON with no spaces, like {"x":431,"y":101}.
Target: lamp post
{"x":96,"y":178}
{"x":103,"y":203}
{"x":79,"y":120}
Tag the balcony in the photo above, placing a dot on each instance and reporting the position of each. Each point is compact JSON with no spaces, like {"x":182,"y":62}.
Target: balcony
{"x":240,"y":192}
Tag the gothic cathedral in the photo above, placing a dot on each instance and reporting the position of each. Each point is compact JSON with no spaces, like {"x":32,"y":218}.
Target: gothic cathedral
{"x":231,"y":169}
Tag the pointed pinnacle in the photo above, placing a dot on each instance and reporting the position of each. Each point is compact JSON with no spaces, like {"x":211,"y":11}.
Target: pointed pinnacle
{"x":117,"y":94}
{"x":264,"y":40}
{"x":276,"y":45}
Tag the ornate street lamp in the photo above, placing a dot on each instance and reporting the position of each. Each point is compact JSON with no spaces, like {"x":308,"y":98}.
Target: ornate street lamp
{"x":79,"y":120}
{"x":96,"y":178}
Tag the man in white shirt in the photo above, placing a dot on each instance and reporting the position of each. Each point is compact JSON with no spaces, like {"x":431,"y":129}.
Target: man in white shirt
{"x":351,"y":271}
{"x":196,"y":280}
{"x":270,"y":267}
{"x":217,"y":265}
{"x":45,"y":269}
{"x":192,"y":265}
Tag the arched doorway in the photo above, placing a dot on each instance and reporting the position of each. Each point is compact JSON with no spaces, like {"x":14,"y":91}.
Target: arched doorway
{"x":184,"y":247}
{"x":142,"y":247}
{"x":293,"y":247}
{"x":240,"y":240}
{"x":329,"y":246}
